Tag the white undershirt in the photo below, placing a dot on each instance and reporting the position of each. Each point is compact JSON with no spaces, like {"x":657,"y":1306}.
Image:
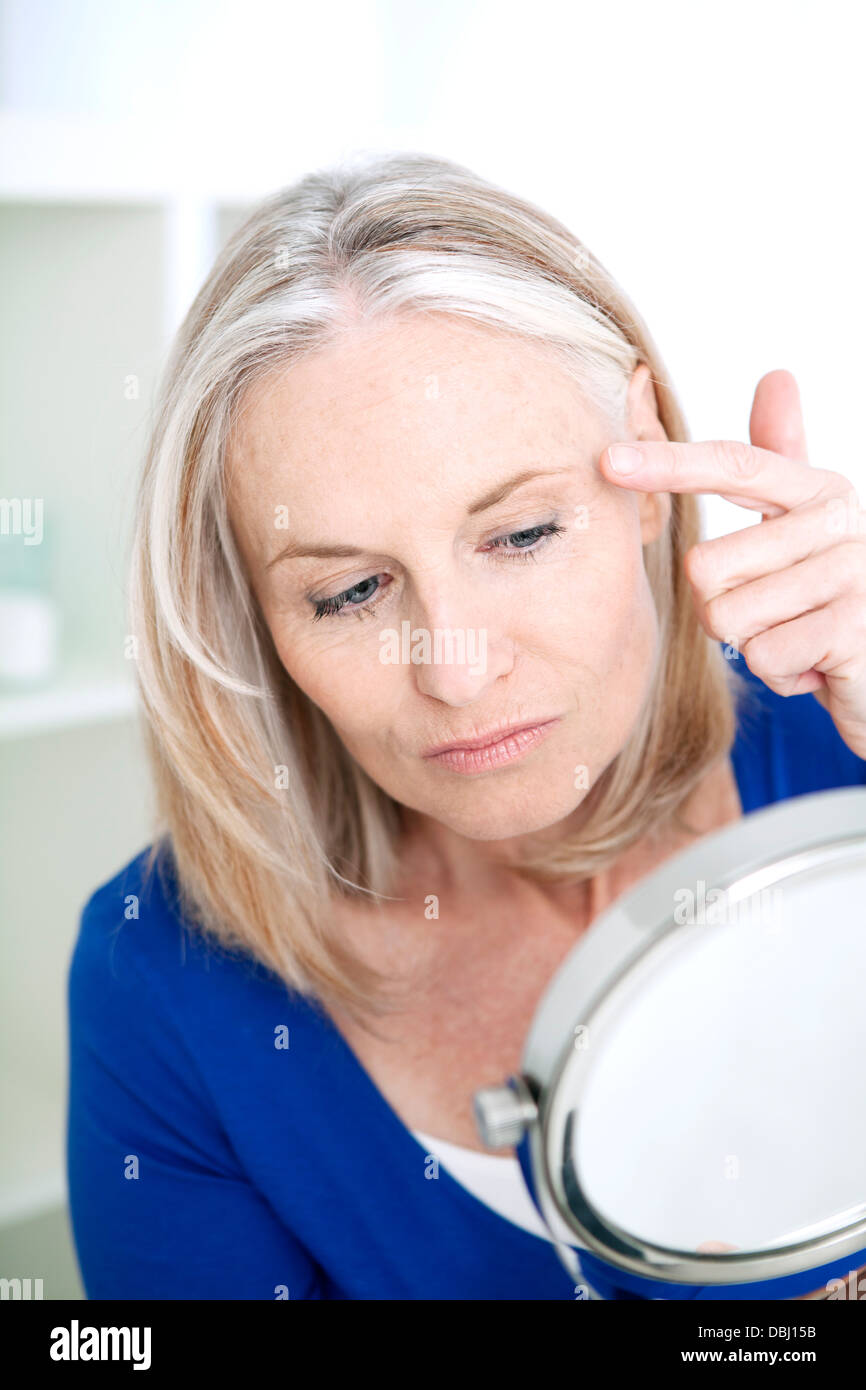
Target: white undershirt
{"x":496,"y":1180}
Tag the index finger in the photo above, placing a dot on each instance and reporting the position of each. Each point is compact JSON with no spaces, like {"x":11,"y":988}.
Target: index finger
{"x":739,"y":472}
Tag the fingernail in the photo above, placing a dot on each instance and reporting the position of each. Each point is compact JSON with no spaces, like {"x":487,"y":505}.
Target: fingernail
{"x":625,"y":459}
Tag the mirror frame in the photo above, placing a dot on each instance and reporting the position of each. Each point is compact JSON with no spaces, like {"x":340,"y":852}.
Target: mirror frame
{"x":776,"y":842}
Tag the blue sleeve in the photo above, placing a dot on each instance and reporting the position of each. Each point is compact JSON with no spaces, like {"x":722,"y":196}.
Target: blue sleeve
{"x":158,"y":1204}
{"x":787,"y":745}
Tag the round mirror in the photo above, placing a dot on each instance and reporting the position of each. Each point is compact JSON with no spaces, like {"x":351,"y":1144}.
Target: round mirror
{"x":692,"y":1088}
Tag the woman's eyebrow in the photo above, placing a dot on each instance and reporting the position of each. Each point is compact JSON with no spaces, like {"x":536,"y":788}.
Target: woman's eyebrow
{"x":499,"y":493}
{"x":297,"y":549}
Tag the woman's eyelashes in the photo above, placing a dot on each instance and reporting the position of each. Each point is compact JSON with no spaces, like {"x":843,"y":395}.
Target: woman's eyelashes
{"x":527,"y":544}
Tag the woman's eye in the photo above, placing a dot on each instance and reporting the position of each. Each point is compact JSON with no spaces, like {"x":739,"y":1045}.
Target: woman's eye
{"x":533,"y":533}
{"x":526,"y":543}
{"x":326,"y":606}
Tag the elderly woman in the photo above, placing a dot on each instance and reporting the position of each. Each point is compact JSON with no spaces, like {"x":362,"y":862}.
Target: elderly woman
{"x":435,"y":666}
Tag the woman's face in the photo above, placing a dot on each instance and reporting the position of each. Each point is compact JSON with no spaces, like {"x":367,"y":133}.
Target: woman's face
{"x":431,"y":489}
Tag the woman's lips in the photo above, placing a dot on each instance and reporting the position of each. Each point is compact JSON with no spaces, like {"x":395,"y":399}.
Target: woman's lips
{"x":504,"y":750}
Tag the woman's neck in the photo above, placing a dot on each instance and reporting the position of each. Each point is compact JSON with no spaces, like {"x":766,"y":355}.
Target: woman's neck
{"x":471,"y":869}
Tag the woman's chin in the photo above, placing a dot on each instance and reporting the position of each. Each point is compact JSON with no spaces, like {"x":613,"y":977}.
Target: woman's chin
{"x":497,"y":823}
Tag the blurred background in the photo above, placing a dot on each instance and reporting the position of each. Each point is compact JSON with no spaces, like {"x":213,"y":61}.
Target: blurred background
{"x":710,"y":156}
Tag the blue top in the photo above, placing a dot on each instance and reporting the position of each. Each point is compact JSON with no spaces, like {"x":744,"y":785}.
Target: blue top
{"x":205,"y":1161}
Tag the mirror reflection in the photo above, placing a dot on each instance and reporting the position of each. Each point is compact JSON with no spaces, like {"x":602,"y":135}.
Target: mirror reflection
{"x":723,"y":1097}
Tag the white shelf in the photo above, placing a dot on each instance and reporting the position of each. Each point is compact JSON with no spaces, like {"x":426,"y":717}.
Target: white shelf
{"x":33,"y":1197}
{"x":72,"y":701}
{"x":32,"y":1147}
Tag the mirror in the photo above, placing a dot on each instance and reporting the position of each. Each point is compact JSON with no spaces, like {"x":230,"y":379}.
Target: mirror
{"x":692,"y":1096}
{"x":726,"y":1100}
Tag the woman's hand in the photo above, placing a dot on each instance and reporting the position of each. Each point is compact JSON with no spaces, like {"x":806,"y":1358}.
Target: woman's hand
{"x":790,"y":592}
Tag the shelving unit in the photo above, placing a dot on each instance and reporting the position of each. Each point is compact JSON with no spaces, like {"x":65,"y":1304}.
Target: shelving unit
{"x":65,"y":704}
{"x":102,"y":253}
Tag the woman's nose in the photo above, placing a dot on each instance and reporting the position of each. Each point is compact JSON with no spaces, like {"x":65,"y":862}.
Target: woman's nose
{"x":459,"y":654}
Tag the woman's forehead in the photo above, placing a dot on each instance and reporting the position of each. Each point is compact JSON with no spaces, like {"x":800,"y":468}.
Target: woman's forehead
{"x":412,"y":391}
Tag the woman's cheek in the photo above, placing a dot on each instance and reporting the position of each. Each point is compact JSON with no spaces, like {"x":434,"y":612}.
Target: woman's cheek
{"x":345,"y":680}
{"x":325,"y":669}
{"x":611,"y":599}
{"x":625,"y":646}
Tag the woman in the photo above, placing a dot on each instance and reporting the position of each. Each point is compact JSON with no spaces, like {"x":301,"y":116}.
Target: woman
{"x":428,"y":684}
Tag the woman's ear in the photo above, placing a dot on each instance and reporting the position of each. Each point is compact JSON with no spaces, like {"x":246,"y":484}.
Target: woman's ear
{"x":642,"y":422}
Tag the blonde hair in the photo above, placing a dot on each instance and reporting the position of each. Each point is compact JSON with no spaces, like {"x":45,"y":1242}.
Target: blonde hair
{"x":257,"y":864}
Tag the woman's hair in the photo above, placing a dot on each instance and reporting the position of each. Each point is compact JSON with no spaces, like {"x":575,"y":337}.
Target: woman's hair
{"x":263,"y":813}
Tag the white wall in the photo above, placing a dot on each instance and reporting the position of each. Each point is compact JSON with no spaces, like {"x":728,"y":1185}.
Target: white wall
{"x":710,"y":155}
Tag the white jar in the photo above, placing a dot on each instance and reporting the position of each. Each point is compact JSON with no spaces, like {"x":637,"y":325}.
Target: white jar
{"x":29,"y":633}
